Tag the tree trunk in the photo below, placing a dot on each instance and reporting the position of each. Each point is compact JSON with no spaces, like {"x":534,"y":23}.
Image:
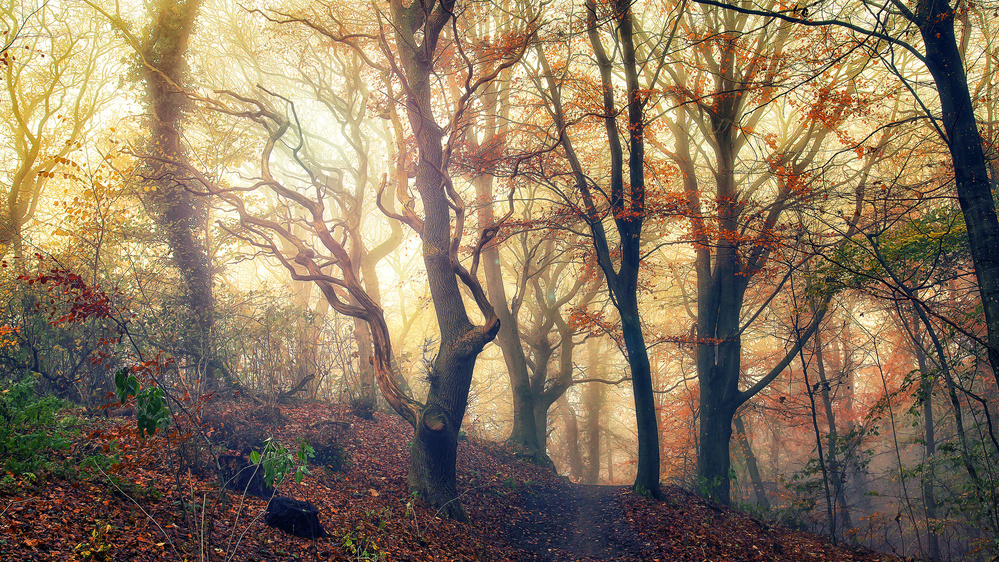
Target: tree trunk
{"x":174,"y":208}
{"x":365,"y":363}
{"x":930,"y":448}
{"x":525,"y":434}
{"x":752,"y":466}
{"x":647,"y":477}
{"x":713,"y":463}
{"x":435,"y":444}
{"x":943,"y":59}
{"x":629,"y":215}
{"x":610,"y":463}
{"x":718,"y":351}
{"x":593,"y":401}
{"x":842,"y":510}
{"x":571,"y":439}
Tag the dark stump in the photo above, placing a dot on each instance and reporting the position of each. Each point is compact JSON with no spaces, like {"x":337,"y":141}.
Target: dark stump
{"x":300,"y":518}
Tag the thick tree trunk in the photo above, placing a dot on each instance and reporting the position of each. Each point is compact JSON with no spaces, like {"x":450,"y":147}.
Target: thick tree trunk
{"x":435,"y":444}
{"x":713,"y":462}
{"x":174,"y":208}
{"x":433,"y":453}
{"x":719,"y":351}
{"x":974,"y":193}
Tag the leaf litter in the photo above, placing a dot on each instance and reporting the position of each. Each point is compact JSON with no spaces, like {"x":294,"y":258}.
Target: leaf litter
{"x":518,"y":511}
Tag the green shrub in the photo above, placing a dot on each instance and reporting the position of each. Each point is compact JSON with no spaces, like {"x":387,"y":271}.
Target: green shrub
{"x":30,"y":428}
{"x":279,"y":462}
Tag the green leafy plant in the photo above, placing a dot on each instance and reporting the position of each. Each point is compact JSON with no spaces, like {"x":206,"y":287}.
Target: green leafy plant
{"x":150,"y":405}
{"x":278,"y":461}
{"x":360,"y":546}
{"x":30,"y":429}
{"x":705,"y":487}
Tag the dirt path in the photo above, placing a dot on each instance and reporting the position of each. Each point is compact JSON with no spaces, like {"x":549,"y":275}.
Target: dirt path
{"x":573,"y":522}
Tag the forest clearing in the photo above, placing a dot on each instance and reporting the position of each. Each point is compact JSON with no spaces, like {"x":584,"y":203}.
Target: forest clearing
{"x":499,"y":279}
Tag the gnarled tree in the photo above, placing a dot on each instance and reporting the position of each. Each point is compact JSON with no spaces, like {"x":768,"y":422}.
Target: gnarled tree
{"x":409,"y":58}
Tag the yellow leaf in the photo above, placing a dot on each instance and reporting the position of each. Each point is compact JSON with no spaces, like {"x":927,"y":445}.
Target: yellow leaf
{"x":60,"y":232}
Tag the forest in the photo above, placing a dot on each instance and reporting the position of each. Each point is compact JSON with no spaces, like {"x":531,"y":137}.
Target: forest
{"x":499,"y":280}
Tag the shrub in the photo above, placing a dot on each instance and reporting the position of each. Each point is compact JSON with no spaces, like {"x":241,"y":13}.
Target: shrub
{"x":30,"y":428}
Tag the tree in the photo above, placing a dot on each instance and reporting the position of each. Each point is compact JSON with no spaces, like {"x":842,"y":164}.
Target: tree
{"x":410,"y":59}
{"x":956,"y":123}
{"x":433,"y":454}
{"x":484,"y":142}
{"x":603,"y":199}
{"x":162,"y":64}
{"x":163,"y":67}
{"x":55,"y":83}
{"x":727,"y":87}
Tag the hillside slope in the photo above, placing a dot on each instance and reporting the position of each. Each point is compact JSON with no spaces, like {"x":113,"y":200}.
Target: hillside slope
{"x":518,"y":511}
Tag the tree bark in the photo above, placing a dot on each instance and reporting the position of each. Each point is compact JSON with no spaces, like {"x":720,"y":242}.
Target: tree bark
{"x":174,"y":208}
{"x":930,"y":449}
{"x":593,"y":401}
{"x":435,"y":444}
{"x":752,"y":466}
{"x":974,"y":193}
{"x":524,"y":433}
{"x":629,"y":214}
{"x":571,"y":439}
{"x":842,"y":510}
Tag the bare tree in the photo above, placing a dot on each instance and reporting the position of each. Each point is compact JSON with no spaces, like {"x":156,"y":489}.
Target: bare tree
{"x":611,"y":200}
{"x":727,"y":87}
{"x":409,"y":60}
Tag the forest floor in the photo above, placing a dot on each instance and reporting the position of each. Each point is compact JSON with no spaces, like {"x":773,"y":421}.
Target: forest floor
{"x":518,"y":511}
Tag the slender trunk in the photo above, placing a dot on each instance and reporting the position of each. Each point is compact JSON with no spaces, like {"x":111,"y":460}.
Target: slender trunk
{"x":647,"y":477}
{"x":365,"y":363}
{"x":610,"y":464}
{"x":593,"y":400}
{"x":930,"y":448}
{"x":842,"y":510}
{"x":629,"y":213}
{"x":818,"y":446}
{"x":525,"y":433}
{"x":752,"y":466}
{"x":955,"y":401}
{"x":571,"y":438}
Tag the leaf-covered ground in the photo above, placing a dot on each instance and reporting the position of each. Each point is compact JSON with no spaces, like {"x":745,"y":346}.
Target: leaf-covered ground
{"x":518,"y":510}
